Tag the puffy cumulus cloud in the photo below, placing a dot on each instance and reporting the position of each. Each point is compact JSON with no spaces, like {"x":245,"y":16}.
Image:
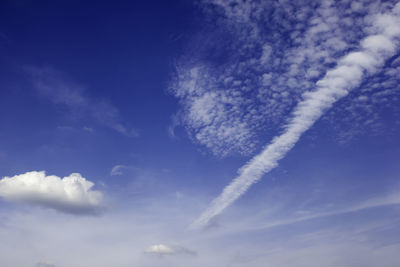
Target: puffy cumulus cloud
{"x":243,"y":75}
{"x":71,"y":194}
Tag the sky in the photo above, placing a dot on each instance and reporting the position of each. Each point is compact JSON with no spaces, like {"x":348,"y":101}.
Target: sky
{"x":199,"y":133}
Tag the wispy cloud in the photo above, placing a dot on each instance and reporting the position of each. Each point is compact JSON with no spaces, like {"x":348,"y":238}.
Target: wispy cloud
{"x":71,"y":194}
{"x":57,"y":87}
{"x":388,"y":200}
{"x":239,"y":80}
{"x":34,"y":235}
{"x":45,"y":264}
{"x":121,"y":169}
{"x":336,"y":84}
{"x":117,"y":170}
{"x":360,"y":114}
{"x":328,"y":248}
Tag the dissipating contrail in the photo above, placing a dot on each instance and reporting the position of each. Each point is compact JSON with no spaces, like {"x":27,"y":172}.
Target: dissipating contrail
{"x":336,"y":84}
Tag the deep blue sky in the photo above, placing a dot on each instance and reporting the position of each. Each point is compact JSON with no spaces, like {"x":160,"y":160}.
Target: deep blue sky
{"x":119,"y":53}
{"x":160,"y":103}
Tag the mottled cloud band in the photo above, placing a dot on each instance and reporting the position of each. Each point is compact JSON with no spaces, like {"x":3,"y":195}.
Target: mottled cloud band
{"x":336,"y":84}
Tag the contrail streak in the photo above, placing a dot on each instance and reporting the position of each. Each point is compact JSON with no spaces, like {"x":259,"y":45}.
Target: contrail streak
{"x":336,"y":84}
{"x":393,"y":199}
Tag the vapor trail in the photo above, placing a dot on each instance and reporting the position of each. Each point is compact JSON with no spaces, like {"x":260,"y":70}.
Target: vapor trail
{"x":336,"y":84}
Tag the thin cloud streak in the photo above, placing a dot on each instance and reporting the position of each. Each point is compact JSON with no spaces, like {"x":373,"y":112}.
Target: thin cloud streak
{"x":118,"y":170}
{"x":389,"y":200}
{"x":336,"y":84}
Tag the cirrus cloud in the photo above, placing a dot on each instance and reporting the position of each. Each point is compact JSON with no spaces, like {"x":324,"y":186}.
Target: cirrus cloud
{"x":337,"y":83}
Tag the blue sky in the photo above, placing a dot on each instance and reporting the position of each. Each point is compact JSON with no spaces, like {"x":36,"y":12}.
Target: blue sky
{"x":199,"y":133}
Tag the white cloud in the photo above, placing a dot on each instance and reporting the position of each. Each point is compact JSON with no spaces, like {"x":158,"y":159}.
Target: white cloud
{"x":71,"y":194}
{"x":336,"y":84}
{"x":359,"y":114}
{"x":233,"y":99}
{"x":388,"y":200}
{"x":58,"y":88}
{"x":119,"y":238}
{"x":117,"y":170}
{"x":160,"y":250}
{"x":121,"y":169}
{"x":266,"y":54}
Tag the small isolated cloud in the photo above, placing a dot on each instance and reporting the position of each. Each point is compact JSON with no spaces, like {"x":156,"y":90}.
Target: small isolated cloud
{"x":88,"y":129}
{"x":161,"y":249}
{"x":45,"y":264}
{"x":118,"y":170}
{"x":71,"y":194}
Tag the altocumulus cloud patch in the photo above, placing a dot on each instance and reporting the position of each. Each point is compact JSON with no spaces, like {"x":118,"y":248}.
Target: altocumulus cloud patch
{"x":70,"y":194}
{"x":338,"y":82}
{"x":243,"y":75}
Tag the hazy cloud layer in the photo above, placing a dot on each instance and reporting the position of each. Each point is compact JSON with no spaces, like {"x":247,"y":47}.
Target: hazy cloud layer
{"x":388,"y":200}
{"x":119,"y":238}
{"x":70,"y":194}
{"x":242,"y":77}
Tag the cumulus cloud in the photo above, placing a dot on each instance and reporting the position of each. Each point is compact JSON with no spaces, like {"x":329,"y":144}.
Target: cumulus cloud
{"x":56,"y":86}
{"x":70,"y":194}
{"x":336,"y":84}
{"x":239,"y":83}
